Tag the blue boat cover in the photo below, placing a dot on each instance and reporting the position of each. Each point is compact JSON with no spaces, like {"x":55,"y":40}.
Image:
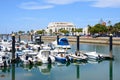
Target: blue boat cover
{"x":63,"y":41}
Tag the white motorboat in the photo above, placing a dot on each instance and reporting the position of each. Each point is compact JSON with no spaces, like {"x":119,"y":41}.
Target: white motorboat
{"x":94,"y":55}
{"x":78,"y":56}
{"x":28,"y":57}
{"x":61,"y":55}
{"x":1,"y":61}
{"x":45,"y":56}
{"x":4,"y":59}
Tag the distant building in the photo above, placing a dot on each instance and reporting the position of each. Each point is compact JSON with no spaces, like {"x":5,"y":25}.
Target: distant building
{"x":54,"y":27}
{"x":85,"y":31}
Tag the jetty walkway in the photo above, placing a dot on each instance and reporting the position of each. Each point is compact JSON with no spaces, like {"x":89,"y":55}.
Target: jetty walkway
{"x":83,"y":39}
{"x":98,"y":40}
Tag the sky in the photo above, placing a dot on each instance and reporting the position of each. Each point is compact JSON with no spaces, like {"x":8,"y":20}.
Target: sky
{"x":27,"y":15}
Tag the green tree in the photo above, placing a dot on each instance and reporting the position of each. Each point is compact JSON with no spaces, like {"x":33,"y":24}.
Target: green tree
{"x":89,"y":29}
{"x":117,"y":26}
{"x":79,"y":30}
{"x":63,"y":31}
{"x":21,"y":32}
{"x":39,"y":32}
{"x":98,"y":28}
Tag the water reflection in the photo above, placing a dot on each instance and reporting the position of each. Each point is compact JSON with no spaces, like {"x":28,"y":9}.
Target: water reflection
{"x":27,"y":67}
{"x":45,"y":68}
{"x":92,"y":70}
{"x":111,"y":70}
{"x":78,"y":71}
{"x":53,"y":70}
{"x":13,"y":71}
{"x":4,"y":72}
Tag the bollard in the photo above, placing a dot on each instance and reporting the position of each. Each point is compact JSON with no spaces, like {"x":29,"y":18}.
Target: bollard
{"x":13,"y":48}
{"x":77,"y":42}
{"x":57,"y":39}
{"x":110,"y":45}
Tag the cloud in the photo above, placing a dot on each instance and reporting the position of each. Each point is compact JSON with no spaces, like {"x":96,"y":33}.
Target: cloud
{"x":63,"y":2}
{"x":94,"y":3}
{"x":34,"y":6}
{"x":46,"y":4}
{"x":107,"y":3}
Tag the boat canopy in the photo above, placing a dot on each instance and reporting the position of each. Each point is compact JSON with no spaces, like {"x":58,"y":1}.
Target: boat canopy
{"x":63,"y":41}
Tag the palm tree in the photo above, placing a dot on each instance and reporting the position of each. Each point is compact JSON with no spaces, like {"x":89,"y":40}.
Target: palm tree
{"x":51,"y":32}
{"x":73,"y":30}
{"x":89,"y":29}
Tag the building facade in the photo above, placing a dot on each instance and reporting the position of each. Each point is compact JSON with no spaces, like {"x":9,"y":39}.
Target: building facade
{"x":54,"y":27}
{"x":85,"y":31}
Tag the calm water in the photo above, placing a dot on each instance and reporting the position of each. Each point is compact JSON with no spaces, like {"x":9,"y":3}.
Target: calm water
{"x":105,"y":70}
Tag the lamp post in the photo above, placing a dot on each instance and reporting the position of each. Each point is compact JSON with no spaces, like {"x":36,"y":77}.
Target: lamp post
{"x":13,"y":48}
{"x":78,"y":47}
{"x":57,"y":39}
{"x":110,"y":45}
{"x":78,"y":38}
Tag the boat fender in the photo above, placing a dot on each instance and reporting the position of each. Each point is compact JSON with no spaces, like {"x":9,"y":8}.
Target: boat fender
{"x":49,"y":60}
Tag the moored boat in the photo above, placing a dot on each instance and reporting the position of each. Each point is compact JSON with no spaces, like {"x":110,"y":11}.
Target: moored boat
{"x":29,"y":57}
{"x":94,"y":55}
{"x":45,"y":56}
{"x":78,"y":56}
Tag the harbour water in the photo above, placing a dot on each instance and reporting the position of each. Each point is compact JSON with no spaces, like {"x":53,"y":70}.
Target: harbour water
{"x":104,"y":70}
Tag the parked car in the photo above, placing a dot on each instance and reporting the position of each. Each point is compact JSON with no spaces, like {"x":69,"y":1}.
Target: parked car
{"x":95,"y":35}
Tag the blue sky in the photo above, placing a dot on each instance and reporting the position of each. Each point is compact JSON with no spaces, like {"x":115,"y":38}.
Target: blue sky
{"x":26,"y":15}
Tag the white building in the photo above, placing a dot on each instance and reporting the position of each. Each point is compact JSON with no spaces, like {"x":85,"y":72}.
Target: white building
{"x":85,"y":31}
{"x":56,"y":26}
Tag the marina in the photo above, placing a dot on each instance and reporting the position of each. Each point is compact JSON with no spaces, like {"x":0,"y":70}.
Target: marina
{"x":59,"y":40}
{"x":81,"y":69}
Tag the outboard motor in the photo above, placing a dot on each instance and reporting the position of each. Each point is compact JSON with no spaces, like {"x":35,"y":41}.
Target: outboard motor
{"x":30,"y":61}
{"x":0,"y":48}
{"x":49,"y":60}
{"x":67,"y":59}
{"x":5,"y":63}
